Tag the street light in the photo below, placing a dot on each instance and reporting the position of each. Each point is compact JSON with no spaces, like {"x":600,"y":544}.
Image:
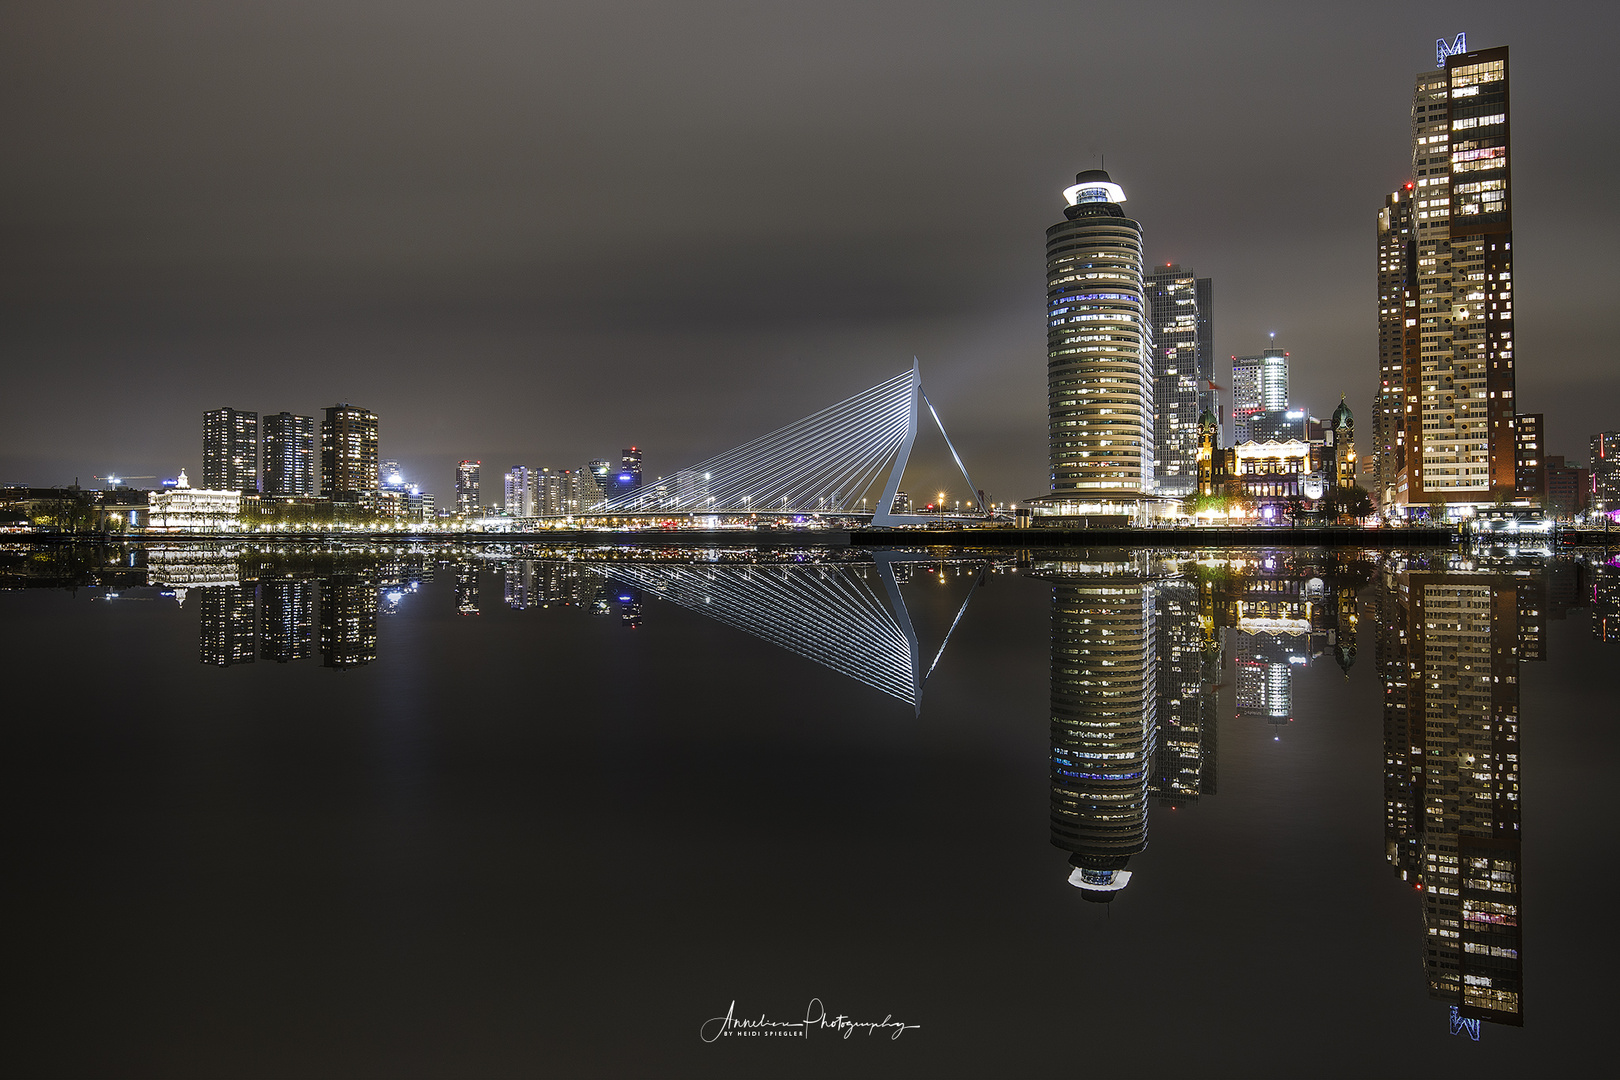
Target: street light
{"x":941,"y":505}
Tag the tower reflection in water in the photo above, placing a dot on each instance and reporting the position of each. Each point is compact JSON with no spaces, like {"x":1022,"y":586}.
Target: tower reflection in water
{"x":1451,"y":638}
{"x":1137,"y":653}
{"x":287,"y":619}
{"x":1103,"y":710}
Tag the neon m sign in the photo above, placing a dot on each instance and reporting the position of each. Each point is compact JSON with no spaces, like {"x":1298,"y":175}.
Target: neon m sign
{"x":1443,"y":50}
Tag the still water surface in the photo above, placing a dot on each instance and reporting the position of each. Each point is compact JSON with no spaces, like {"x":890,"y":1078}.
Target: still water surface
{"x":548,"y":811}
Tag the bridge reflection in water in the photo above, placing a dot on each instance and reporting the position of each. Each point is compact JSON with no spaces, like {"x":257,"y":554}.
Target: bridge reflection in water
{"x":827,"y":613}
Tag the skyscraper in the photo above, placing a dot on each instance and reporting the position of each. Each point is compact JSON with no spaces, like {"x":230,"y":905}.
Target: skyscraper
{"x":1531,"y":464}
{"x":467,"y":487}
{"x":348,"y":453}
{"x":1098,"y":339}
{"x":231,"y":451}
{"x":1397,"y":397}
{"x":520,"y":492}
{"x":602,"y":470}
{"x":1182,"y":368}
{"x":1605,"y":466}
{"x":1460,"y":427}
{"x":628,"y":478}
{"x":1259,"y":387}
{"x":289,"y":454}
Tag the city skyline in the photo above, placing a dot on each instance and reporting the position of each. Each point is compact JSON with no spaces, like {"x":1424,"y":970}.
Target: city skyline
{"x":472,"y":305}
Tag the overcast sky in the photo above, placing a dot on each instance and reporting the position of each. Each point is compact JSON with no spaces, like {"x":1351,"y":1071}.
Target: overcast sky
{"x":535,"y":234}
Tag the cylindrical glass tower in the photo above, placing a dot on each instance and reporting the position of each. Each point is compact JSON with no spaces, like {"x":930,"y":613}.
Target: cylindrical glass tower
{"x":1103,"y":707}
{"x":1099,"y":385}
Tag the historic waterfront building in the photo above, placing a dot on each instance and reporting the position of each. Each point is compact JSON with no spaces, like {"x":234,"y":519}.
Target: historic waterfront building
{"x":1099,"y":343}
{"x":185,"y":509}
{"x":231,"y":451}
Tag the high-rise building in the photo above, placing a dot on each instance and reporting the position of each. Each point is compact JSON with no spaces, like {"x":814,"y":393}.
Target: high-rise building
{"x":1460,"y":426}
{"x":1099,"y":344}
{"x":231,"y":451}
{"x":520,"y":492}
{"x":602,"y":470}
{"x":628,"y":478}
{"x":584,"y":491}
{"x":1605,"y":466}
{"x":1397,"y":397}
{"x":1530,"y":450}
{"x":1259,"y":387}
{"x":467,"y":487}
{"x":289,"y":455}
{"x":1566,"y":490}
{"x":1209,"y":399}
{"x":1182,"y":369}
{"x":349,"y":453}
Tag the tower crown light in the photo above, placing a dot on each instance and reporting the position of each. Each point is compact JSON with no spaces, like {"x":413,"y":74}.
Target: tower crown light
{"x":1093,"y":186}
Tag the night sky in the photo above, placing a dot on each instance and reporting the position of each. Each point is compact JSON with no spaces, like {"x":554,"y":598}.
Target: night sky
{"x":536,"y":234}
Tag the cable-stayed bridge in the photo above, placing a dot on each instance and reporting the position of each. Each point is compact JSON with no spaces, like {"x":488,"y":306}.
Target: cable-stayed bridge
{"x":829,"y":462}
{"x":827,"y":614}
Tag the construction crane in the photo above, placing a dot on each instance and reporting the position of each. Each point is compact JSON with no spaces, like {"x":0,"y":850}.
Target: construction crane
{"x":114,"y":480}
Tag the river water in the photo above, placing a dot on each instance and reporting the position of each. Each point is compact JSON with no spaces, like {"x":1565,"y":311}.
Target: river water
{"x":561,"y":811}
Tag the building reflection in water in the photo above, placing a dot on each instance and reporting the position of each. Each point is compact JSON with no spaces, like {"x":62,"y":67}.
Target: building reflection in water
{"x":348,"y":621}
{"x":518,"y":584}
{"x":1137,"y":654}
{"x":1189,"y":668}
{"x":467,"y":588}
{"x":1451,"y":638}
{"x":1287,"y":617}
{"x":1606,"y":601}
{"x":227,"y":624}
{"x":1104,"y":703}
{"x":286,"y":619}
